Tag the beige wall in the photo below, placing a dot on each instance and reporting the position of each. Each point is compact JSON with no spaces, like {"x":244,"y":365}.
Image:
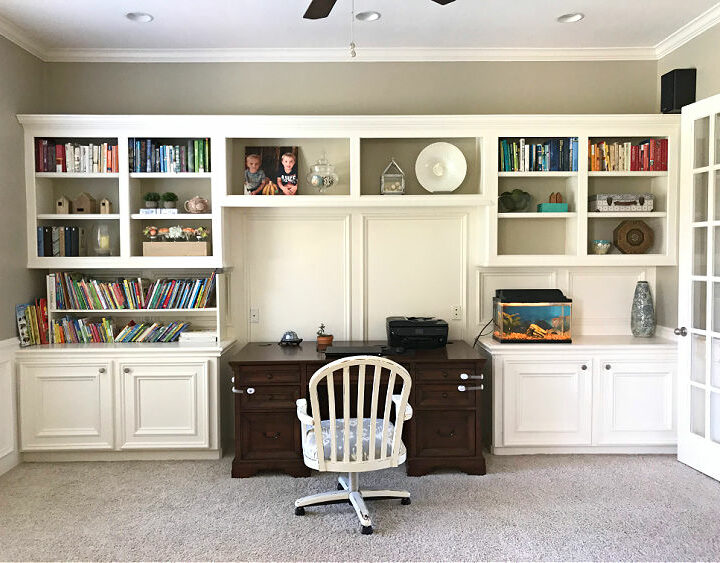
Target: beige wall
{"x":353,"y":88}
{"x":21,"y":89}
{"x":700,"y":53}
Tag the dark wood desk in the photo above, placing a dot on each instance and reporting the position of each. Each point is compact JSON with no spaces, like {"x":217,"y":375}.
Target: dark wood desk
{"x":448,"y":428}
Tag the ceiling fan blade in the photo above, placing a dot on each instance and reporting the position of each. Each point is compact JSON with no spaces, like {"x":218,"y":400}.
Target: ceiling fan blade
{"x":443,"y":2}
{"x":319,"y":9}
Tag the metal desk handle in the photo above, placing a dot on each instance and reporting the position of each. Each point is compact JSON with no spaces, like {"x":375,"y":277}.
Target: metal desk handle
{"x":465,"y":376}
{"x":463,"y":389}
{"x":249,"y":390}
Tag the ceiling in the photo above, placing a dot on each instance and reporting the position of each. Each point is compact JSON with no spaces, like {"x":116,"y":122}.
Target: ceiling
{"x":266,"y":30}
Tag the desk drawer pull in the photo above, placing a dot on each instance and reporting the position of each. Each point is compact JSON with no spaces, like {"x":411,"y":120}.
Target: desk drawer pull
{"x":465,"y":376}
{"x":463,"y":389}
{"x":273,"y":436}
{"x":249,"y":390}
{"x":450,"y":434}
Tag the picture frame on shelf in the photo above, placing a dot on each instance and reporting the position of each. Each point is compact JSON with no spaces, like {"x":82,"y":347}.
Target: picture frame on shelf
{"x":271,"y":170}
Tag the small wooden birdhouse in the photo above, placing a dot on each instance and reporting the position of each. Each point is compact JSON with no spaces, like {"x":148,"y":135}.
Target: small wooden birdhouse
{"x":62,"y":205}
{"x":84,"y":203}
{"x":105,"y":206}
{"x":392,"y":180}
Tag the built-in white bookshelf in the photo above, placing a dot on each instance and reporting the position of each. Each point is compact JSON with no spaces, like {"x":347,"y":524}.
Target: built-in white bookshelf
{"x":360,"y":147}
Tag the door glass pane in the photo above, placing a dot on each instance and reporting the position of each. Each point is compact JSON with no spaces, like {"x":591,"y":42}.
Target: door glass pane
{"x":715,"y":417}
{"x":715,"y":366}
{"x":698,"y":358}
{"x":701,"y":197}
{"x":699,"y":304}
{"x":716,"y":307}
{"x":700,"y":251}
{"x":717,"y":139}
{"x":697,"y":411}
{"x":702,"y":142}
{"x":717,"y":192}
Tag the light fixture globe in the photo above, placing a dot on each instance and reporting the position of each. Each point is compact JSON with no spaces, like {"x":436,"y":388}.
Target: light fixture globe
{"x":440,"y":167}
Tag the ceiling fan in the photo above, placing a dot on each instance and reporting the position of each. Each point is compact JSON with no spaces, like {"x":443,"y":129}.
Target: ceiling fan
{"x":319,"y":9}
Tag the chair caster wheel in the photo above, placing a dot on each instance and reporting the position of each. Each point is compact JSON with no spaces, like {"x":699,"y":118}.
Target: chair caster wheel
{"x":367,"y":530}
{"x":340,"y":487}
{"x":299,"y":511}
{"x":405,"y":500}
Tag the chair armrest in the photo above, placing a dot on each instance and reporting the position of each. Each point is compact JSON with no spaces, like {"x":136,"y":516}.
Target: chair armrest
{"x":302,"y":412}
{"x":408,"y":409}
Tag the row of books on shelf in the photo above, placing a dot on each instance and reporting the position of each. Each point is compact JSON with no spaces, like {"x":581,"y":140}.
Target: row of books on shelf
{"x":61,"y":241}
{"x":85,"y":331}
{"x":147,"y":155}
{"x":74,"y":157}
{"x":73,"y":291}
{"x":553,"y":155}
{"x":32,"y":323}
{"x":645,"y":156}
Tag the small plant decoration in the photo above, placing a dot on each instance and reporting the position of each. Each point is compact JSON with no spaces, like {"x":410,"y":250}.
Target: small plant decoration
{"x":151,"y":199}
{"x":175,"y":233}
{"x":151,"y":232}
{"x":323,"y":340}
{"x":201,"y":233}
{"x":169,"y":200}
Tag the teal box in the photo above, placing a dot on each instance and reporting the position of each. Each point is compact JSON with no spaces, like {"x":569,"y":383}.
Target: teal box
{"x":552,"y":207}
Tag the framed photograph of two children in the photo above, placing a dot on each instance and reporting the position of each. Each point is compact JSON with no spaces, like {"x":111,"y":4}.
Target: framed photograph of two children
{"x":271,"y":170}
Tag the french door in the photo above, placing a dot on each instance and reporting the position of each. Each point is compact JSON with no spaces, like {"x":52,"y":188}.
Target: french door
{"x":699,"y":298}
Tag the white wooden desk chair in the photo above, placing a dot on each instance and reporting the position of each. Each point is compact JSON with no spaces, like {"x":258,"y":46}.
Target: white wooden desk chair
{"x":351,"y":446}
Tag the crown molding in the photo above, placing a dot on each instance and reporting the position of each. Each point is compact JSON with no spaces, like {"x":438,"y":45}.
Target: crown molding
{"x":688,"y":32}
{"x":369,"y":54}
{"x":20,"y":37}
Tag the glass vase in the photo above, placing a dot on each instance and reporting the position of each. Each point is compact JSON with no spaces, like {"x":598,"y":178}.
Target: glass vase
{"x":642,"y":315}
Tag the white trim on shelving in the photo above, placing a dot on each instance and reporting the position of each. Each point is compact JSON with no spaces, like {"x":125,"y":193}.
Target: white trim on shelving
{"x":170,"y":216}
{"x":80,"y":216}
{"x":77,"y":174}
{"x":538,"y":215}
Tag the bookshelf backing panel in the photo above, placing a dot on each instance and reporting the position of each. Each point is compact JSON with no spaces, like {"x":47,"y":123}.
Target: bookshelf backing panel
{"x":631,"y":185}
{"x":536,"y":237}
{"x":541,"y":187}
{"x":49,"y":190}
{"x":601,"y":228}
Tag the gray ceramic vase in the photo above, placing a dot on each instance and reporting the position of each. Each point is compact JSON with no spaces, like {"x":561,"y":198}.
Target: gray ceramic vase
{"x":642,"y":317}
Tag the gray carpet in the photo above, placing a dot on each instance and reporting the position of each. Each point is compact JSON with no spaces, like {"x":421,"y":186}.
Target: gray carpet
{"x":527,"y":507}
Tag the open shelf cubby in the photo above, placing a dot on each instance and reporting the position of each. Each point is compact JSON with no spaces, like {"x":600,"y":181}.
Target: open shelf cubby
{"x":309,"y":151}
{"x":541,"y":236}
{"x":376,"y":153}
{"x":540,"y":187}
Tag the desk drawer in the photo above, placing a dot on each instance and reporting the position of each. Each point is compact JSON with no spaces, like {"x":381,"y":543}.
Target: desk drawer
{"x":441,"y":395}
{"x":269,"y":397}
{"x":269,"y":436}
{"x":271,"y":373}
{"x":443,"y":433}
{"x":443,"y":372}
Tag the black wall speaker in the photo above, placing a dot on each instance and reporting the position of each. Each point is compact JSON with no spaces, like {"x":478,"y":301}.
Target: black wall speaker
{"x":677,"y":89}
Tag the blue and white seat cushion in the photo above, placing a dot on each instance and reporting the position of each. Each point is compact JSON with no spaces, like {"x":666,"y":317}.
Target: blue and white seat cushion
{"x":310,"y":447}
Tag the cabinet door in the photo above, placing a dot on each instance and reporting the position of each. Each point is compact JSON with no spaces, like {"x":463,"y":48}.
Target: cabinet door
{"x":547,"y":402}
{"x":636,"y":404}
{"x":164,"y":405}
{"x":66,"y":406}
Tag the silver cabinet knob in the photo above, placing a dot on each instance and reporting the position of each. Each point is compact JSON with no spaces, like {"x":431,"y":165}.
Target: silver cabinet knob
{"x":681,"y":331}
{"x":583,"y":367}
{"x":608,"y":366}
{"x":126,"y":370}
{"x":101,"y":370}
{"x":250,"y":390}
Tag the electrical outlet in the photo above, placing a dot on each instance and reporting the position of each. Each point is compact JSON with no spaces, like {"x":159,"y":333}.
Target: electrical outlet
{"x":255,"y":315}
{"x":456,"y":312}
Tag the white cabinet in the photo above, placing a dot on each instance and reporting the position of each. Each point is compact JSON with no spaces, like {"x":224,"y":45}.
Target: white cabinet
{"x":547,"y":402}
{"x":636,"y":403}
{"x":164,"y":405}
{"x":66,"y":405}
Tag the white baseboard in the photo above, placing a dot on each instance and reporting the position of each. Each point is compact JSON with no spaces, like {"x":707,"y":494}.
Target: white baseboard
{"x":170,"y":455}
{"x":628,"y":450}
{"x":9,"y":456}
{"x":8,"y":461}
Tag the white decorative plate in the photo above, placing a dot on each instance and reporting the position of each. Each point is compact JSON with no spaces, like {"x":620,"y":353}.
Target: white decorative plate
{"x":440,"y":167}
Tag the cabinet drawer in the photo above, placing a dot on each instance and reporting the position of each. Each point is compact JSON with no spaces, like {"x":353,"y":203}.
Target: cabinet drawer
{"x":268,"y":436}
{"x":442,"y":433}
{"x":269,"y":397}
{"x":442,"y":395}
{"x":443,"y":372}
{"x":277,"y":373}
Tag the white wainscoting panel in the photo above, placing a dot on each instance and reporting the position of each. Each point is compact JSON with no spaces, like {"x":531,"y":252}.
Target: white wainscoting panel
{"x":415,"y":264}
{"x":297,"y":274}
{"x":8,"y":411}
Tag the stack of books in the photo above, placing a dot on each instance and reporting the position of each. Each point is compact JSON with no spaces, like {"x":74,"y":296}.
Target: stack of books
{"x":69,"y":330}
{"x":645,"y":156}
{"x":61,"y":241}
{"x":552,"y":155}
{"x":74,"y":157}
{"x":151,"y":332}
{"x":73,"y":291}
{"x":149,"y":155}
{"x":32,"y":322}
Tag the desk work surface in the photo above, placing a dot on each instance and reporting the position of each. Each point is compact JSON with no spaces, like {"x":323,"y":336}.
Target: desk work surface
{"x":272,"y":352}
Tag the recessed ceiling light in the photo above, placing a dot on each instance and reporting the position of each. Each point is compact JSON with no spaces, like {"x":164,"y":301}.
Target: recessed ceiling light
{"x":367,"y":16}
{"x":139,"y":17}
{"x":571,"y":18}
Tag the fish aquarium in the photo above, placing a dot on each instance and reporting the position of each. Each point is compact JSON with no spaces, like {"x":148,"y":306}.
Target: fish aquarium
{"x":532,"y":315}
